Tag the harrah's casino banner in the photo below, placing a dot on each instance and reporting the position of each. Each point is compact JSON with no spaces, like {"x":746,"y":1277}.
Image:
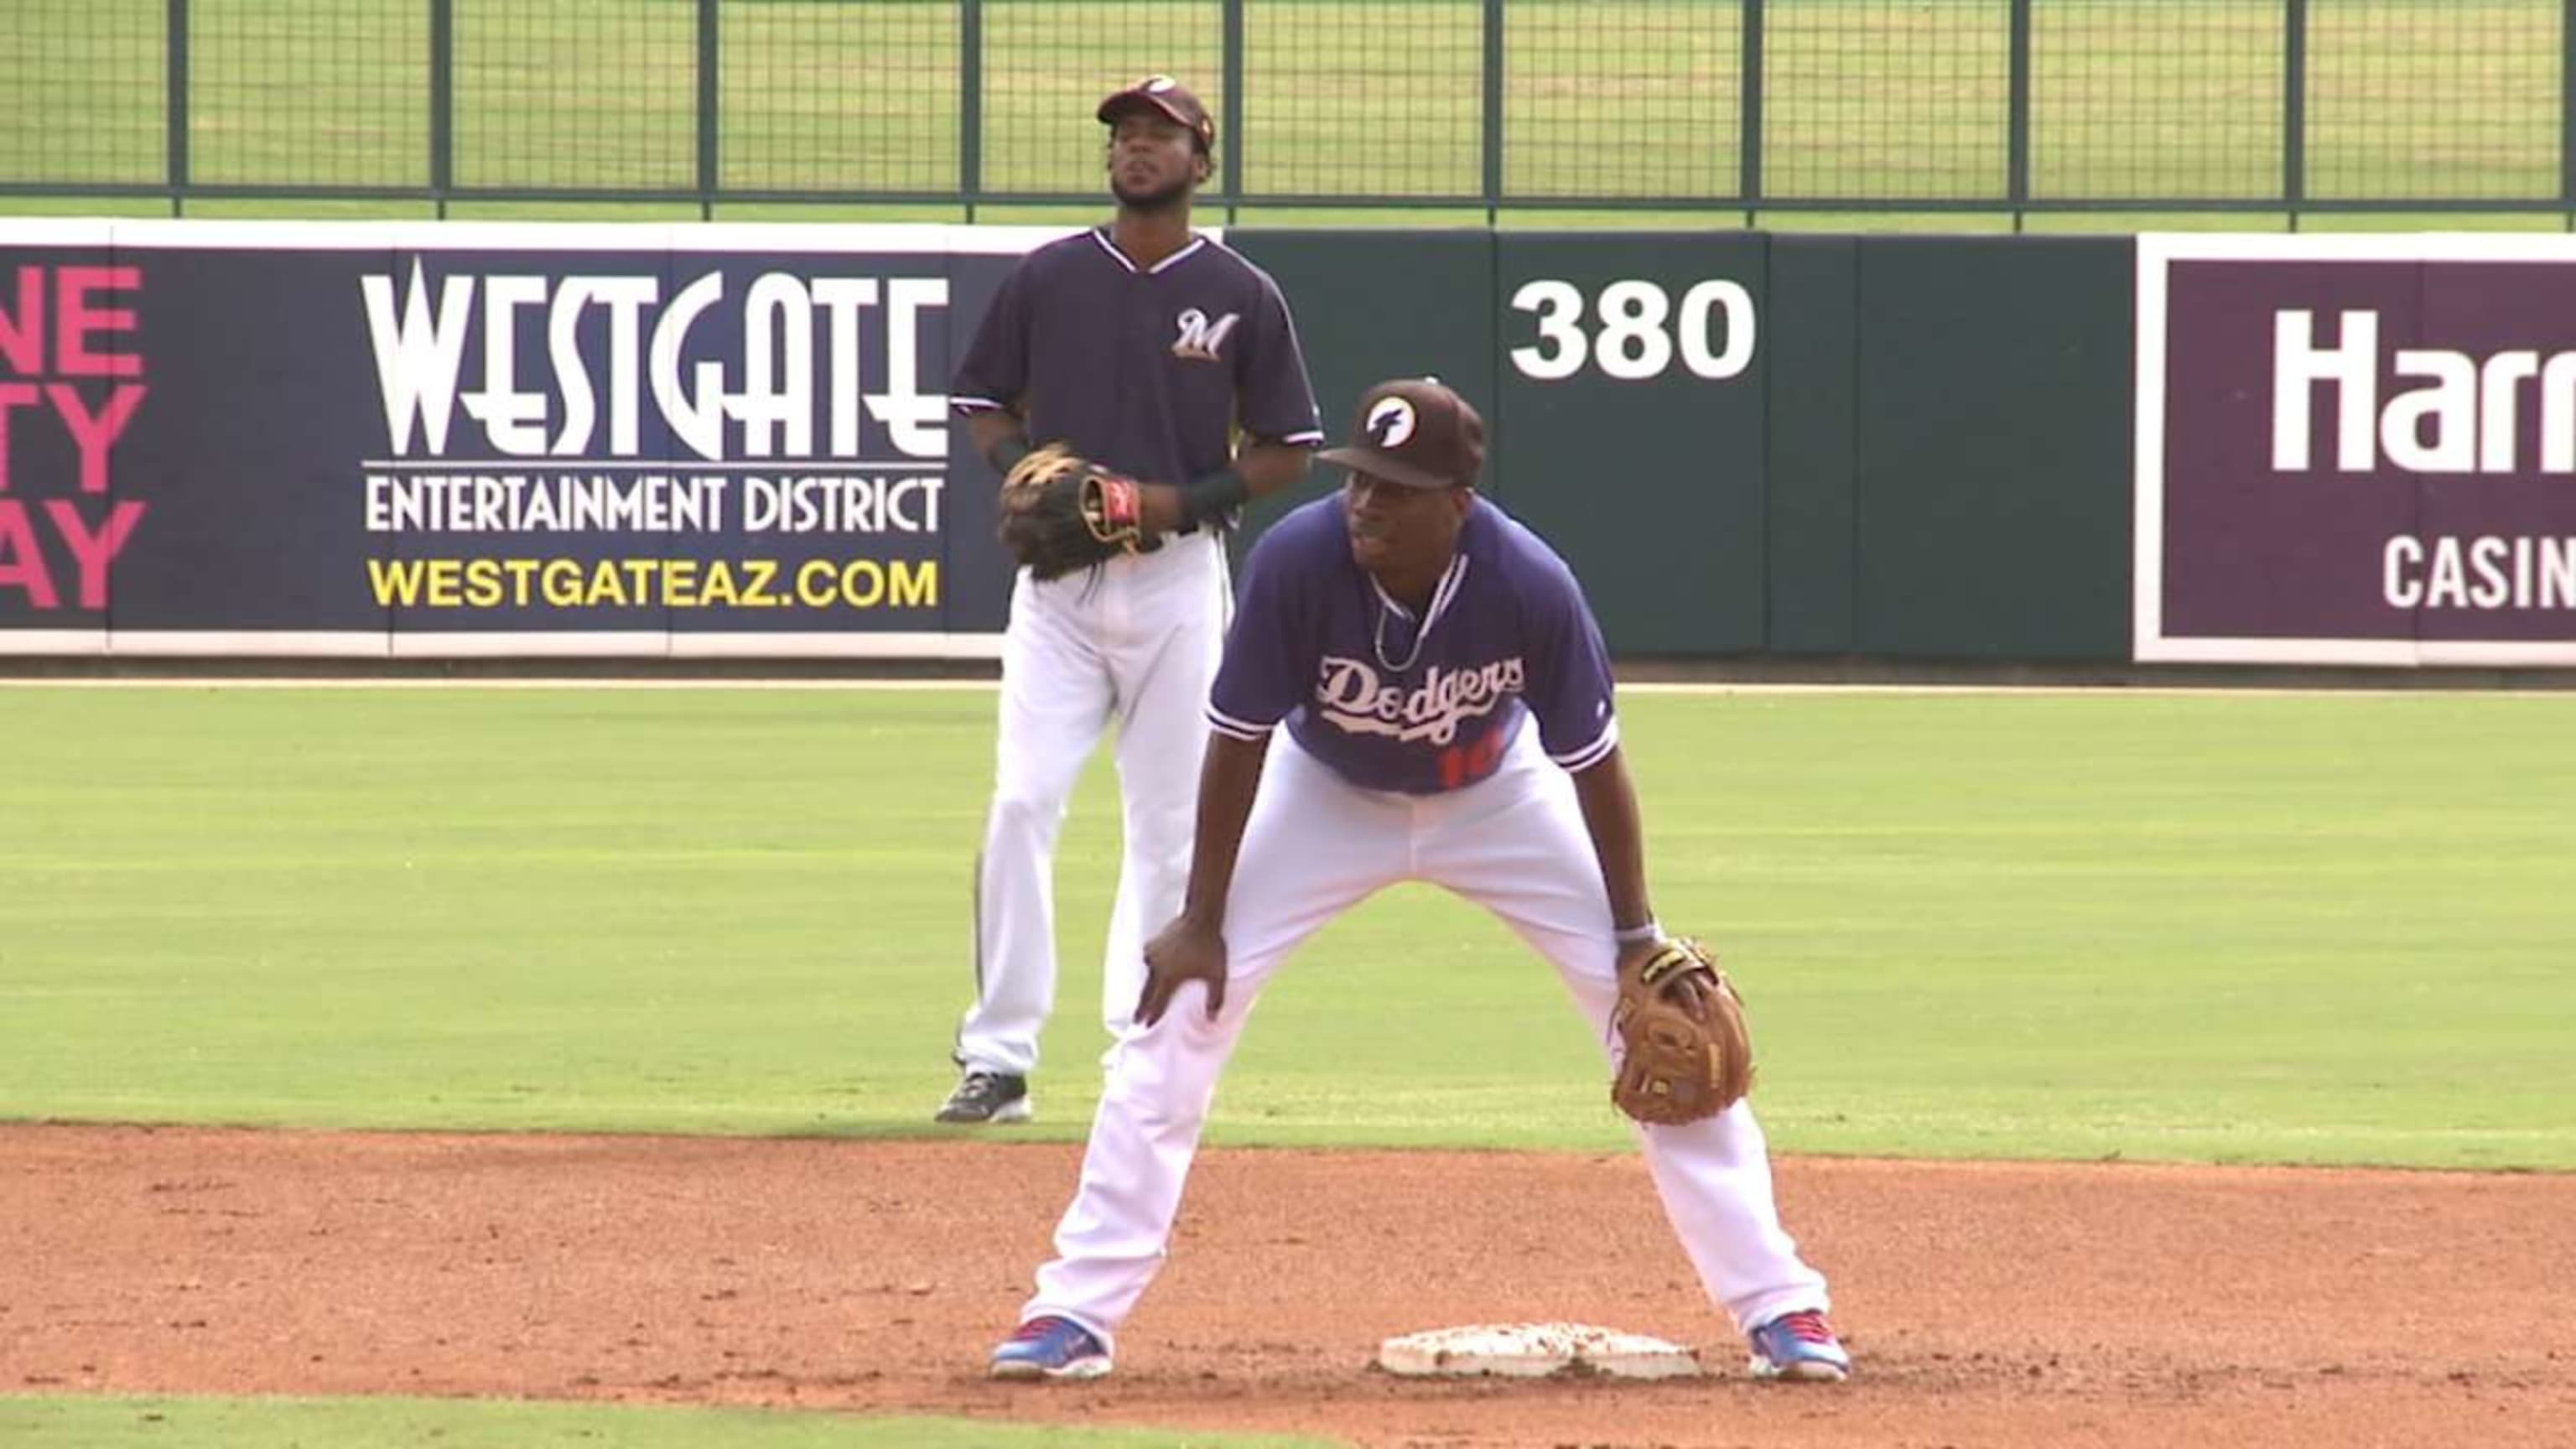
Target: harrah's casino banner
{"x":419,"y":439}
{"x":2357,"y":449}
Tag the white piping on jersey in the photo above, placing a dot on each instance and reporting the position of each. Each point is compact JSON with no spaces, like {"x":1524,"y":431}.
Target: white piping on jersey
{"x":1578,"y":761}
{"x":1311,"y":435}
{"x":1167,"y":263}
{"x":1441,"y":596}
{"x":1236,"y":729}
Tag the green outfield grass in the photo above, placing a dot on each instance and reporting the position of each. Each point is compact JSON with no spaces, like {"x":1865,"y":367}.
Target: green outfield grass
{"x":1878,"y":102}
{"x":202,"y":1423}
{"x":2231,"y":927}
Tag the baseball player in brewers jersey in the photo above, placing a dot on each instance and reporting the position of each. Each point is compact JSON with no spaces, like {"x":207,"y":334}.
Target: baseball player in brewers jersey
{"x":1154,"y":351}
{"x":1446,"y":703}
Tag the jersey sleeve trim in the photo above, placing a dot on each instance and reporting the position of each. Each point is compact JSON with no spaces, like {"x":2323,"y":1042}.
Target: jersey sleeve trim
{"x":1237,"y":729}
{"x":1579,"y":760}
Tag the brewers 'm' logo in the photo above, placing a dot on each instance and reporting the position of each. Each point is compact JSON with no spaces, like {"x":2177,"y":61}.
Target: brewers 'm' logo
{"x":1201,"y":339}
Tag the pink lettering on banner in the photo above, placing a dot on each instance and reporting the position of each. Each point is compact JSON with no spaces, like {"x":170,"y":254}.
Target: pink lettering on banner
{"x":95,"y":433}
{"x":52,"y":546}
{"x":92,"y":433}
{"x":22,"y":564}
{"x":93,"y":552}
{"x":22,"y":327}
{"x":77,"y":322}
{"x":13,"y":395}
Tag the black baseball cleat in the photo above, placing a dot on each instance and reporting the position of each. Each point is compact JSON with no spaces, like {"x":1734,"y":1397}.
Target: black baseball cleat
{"x":987,"y":1097}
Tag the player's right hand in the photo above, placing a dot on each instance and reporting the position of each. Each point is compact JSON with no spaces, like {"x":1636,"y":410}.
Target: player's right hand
{"x":1182,"y":952}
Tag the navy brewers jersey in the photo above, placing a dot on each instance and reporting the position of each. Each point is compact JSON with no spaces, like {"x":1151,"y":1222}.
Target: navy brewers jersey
{"x":1392,"y":702}
{"x":1147,"y":371}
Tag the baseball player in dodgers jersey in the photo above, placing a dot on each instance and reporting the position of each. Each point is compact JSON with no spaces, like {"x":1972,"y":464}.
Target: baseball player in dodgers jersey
{"x":1446,"y":698}
{"x":1143,"y":347}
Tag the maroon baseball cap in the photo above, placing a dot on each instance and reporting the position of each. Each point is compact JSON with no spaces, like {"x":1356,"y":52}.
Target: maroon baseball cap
{"x":1417,"y":432}
{"x":1164,"y":94}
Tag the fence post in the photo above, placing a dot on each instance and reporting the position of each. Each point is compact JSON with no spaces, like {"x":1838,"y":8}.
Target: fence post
{"x":970,"y":102}
{"x":175,"y":95}
{"x":442,"y":102}
{"x":2567,"y":110}
{"x":1748,"y":128}
{"x":2017,"y":115}
{"x":710,"y":96}
{"x":2294,"y":107}
{"x":1229,"y":143}
{"x":1493,"y":157}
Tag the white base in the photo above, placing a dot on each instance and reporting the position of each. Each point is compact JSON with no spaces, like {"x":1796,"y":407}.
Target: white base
{"x":1533,"y":1351}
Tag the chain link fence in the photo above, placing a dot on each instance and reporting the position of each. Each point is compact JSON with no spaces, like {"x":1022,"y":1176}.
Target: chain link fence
{"x":1997,"y":105}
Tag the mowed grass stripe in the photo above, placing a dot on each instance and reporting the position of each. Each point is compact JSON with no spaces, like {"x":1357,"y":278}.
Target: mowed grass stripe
{"x":2229,"y":927}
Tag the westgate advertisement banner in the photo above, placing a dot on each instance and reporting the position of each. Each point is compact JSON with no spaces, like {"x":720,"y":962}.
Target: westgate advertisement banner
{"x":455,"y":439}
{"x":2357,"y":449}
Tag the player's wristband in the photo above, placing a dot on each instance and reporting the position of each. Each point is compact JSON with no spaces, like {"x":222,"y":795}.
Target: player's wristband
{"x":1631,"y":935}
{"x":1214,"y":496}
{"x":1007,"y":451}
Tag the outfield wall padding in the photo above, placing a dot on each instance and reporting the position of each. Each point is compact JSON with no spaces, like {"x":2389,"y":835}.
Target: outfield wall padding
{"x":732,"y":441}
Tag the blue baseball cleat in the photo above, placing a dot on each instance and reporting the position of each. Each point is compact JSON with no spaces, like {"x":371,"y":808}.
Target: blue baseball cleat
{"x":1051,"y":1348}
{"x":1801,"y":1347}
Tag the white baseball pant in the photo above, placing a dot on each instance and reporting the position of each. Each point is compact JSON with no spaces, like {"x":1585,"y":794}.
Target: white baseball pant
{"x":1316,"y":846}
{"x":1137,"y":642}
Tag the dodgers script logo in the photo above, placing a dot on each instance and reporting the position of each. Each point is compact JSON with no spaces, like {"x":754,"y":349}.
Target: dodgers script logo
{"x":1350,"y":696}
{"x":1200,"y":339}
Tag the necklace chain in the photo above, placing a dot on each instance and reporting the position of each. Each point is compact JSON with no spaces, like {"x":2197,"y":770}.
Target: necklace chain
{"x":1419,"y":635}
{"x":1441,"y":594}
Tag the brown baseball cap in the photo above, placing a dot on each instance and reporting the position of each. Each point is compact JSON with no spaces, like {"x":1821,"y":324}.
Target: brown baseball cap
{"x":1164,"y":94}
{"x":1414,"y":431}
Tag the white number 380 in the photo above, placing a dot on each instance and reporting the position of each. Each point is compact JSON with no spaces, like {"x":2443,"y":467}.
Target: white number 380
{"x":1633,"y":340}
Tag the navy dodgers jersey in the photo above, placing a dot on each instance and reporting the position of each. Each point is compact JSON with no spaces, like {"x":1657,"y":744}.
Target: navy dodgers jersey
{"x":1147,"y":371}
{"x":1391,"y":702}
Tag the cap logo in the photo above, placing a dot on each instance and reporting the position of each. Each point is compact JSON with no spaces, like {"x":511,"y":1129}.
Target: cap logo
{"x":1389,"y":424}
{"x":1156,"y":84}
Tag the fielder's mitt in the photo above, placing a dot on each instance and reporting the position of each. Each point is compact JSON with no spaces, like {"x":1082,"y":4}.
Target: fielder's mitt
{"x":1060,"y":513}
{"x":1688,"y":1053}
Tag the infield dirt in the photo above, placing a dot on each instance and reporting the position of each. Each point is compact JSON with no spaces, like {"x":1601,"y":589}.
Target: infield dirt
{"x":1987,"y":1304}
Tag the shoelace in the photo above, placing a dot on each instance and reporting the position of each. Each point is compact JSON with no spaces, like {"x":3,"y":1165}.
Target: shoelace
{"x":1035,"y":1328}
{"x":1808,"y":1326}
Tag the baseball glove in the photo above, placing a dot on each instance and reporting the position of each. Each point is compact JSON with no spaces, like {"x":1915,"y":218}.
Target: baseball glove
{"x":1688,"y":1054}
{"x":1061,"y":513}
